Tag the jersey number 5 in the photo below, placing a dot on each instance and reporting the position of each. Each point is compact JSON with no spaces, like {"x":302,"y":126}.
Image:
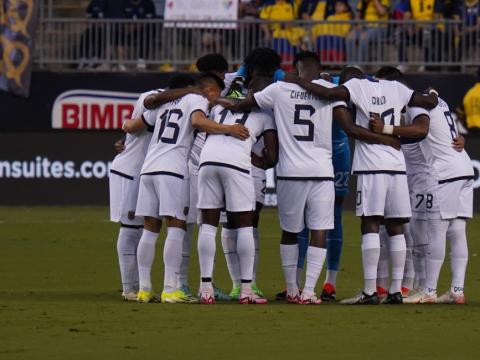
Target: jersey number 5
{"x":170,"y":120}
{"x":297,"y":119}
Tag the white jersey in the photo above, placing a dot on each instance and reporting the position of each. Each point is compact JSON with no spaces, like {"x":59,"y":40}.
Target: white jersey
{"x":130,"y":161}
{"x":386,"y":98}
{"x":304,"y":124}
{"x":445,"y":162}
{"x":223,"y":150}
{"x":172,"y":139}
{"x":414,"y":159}
{"x":197,"y":147}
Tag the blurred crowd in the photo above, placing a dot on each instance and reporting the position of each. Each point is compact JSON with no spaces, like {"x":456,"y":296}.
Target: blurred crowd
{"x":335,"y":39}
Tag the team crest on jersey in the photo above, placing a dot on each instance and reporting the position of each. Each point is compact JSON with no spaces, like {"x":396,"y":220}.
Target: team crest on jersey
{"x":131,"y":215}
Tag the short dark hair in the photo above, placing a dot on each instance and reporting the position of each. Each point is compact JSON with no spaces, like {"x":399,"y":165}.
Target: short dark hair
{"x":303,"y":55}
{"x":264,"y":60}
{"x":208,"y":77}
{"x":389,"y":73}
{"x":212,"y":62}
{"x":349,"y":73}
{"x":258,"y":83}
{"x":181,"y":81}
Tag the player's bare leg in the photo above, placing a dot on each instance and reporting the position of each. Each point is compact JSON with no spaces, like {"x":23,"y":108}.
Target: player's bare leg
{"x":145,"y":256}
{"x":206,"y":253}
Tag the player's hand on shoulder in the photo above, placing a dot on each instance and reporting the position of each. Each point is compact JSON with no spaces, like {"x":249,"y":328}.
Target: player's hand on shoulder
{"x":376,"y":124}
{"x":458,"y":143}
{"x":119,"y":145}
{"x":239,"y":131}
{"x":227,"y":103}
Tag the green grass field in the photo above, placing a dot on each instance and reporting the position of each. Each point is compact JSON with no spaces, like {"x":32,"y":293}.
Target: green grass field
{"x":60,"y":298}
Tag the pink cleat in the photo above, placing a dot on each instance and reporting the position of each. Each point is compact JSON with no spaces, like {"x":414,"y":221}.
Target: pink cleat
{"x":309,"y":298}
{"x":251,"y":298}
{"x":207,"y":296}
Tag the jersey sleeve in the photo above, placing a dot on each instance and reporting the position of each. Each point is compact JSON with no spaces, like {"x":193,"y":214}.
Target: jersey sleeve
{"x":198,"y":103}
{"x":149,"y":117}
{"x":139,"y":109}
{"x":404,"y":93}
{"x":413,"y":112}
{"x":354,"y":89}
{"x":265,"y":98}
{"x":330,"y":85}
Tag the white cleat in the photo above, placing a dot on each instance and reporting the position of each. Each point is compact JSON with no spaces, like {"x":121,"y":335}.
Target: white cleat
{"x":421,"y":297}
{"x":452,"y":298}
{"x":130,"y":295}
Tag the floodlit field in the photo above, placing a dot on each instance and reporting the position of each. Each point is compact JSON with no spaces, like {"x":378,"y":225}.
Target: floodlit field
{"x":60,"y":298}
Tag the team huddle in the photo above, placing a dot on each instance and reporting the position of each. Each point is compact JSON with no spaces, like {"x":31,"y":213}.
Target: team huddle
{"x":196,"y":154}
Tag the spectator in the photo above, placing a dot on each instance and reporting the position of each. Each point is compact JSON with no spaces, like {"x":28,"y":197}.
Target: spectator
{"x":428,"y":36}
{"x":316,"y":9}
{"x":138,"y":35}
{"x":469,"y":112}
{"x":370,"y":11}
{"x":90,"y":49}
{"x":469,"y":13}
{"x":331,"y":37}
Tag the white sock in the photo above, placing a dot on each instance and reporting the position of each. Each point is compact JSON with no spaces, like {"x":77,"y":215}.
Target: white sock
{"x":289,"y":258}
{"x":246,"y":253}
{"x":127,"y":244}
{"x":398,"y":252}
{"x":229,"y":244}
{"x":370,"y":256}
{"x":172,"y":257}
{"x":437,"y":232}
{"x":206,"y":251}
{"x":456,"y":234}
{"x":182,"y":277}
{"x":331,"y":277}
{"x":256,"y":239}
{"x":383,"y":268}
{"x":418,"y":230}
{"x":315,"y":260}
{"x":145,"y":256}
{"x":409,"y":271}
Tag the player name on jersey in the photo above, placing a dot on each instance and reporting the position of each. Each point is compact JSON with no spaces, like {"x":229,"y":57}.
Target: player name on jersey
{"x":92,"y":109}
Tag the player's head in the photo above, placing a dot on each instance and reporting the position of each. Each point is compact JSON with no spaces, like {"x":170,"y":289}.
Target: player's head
{"x":181,"y":81}
{"x":213,"y":63}
{"x":392,"y":74}
{"x":262,"y":62}
{"x":307,"y":64}
{"x":349,"y":73}
{"x":258,"y":83}
{"x":210,"y":85}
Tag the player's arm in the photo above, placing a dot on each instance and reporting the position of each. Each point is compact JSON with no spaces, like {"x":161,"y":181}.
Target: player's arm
{"x":155,"y":100}
{"x":134,"y":125}
{"x":202,"y":123}
{"x":424,"y":101}
{"x":417,"y":130}
{"x":119,"y":145}
{"x":269,"y":156}
{"x":237,"y":105}
{"x":337,"y":93}
{"x":342,"y":116}
{"x":459,"y":143}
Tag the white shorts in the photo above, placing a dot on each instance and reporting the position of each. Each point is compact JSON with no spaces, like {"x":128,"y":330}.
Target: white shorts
{"x":384,"y":195}
{"x":417,"y":185}
{"x":163,"y":195}
{"x":220,"y":186}
{"x":123,"y":199}
{"x":260,"y":184}
{"x":450,"y":200}
{"x":193,"y":213}
{"x":307,"y":203}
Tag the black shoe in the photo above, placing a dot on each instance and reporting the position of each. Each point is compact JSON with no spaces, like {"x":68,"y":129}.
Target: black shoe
{"x":326,"y":296}
{"x":394,"y":299}
{"x":362,"y":299}
{"x":281,"y":296}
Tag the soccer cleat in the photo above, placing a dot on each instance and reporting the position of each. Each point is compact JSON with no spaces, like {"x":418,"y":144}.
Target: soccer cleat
{"x":251,"y":298}
{"x":451,"y":298}
{"x":256,"y":290}
{"x":236,"y":88}
{"x":235,"y":293}
{"x":207,"y":296}
{"x":421,"y":297}
{"x":405,"y":291}
{"x":177,"y":297}
{"x":362,"y":299}
{"x":292,"y":298}
{"x":382,"y":294}
{"x":220,"y":295}
{"x":281,"y":296}
{"x":394,"y":299}
{"x":186,"y":290}
{"x":309,"y":298}
{"x":129,"y":295}
{"x":147,"y":296}
{"x":328,"y":292}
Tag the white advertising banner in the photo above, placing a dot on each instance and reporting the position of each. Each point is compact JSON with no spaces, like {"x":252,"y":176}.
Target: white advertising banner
{"x":198,"y":10}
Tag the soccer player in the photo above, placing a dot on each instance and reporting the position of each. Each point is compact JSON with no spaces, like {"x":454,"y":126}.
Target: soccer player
{"x":448,"y":198}
{"x":382,"y":187}
{"x":305,"y":176}
{"x":124,"y":183}
{"x":225,"y":180}
{"x":163,"y":185}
